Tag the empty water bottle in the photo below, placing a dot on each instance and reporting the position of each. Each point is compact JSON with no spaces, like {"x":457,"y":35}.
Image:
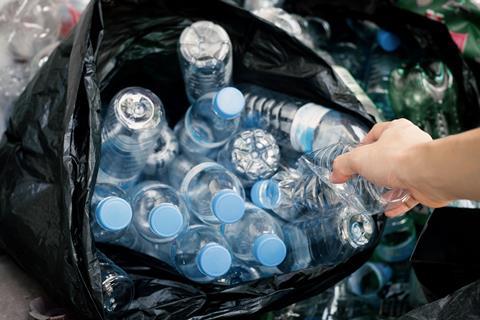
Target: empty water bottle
{"x":117,"y":287}
{"x":213,"y":194}
{"x":257,"y":237}
{"x":201,"y":254}
{"x":164,"y":153}
{"x":132,"y":126}
{"x":240,"y":272}
{"x":382,"y":61}
{"x":297,"y":124}
{"x":205,"y":52}
{"x":357,"y":192}
{"x":111,"y":213}
{"x":178,"y":169}
{"x":326,"y":239}
{"x":211,"y":121}
{"x":251,"y":155}
{"x":159,"y":213}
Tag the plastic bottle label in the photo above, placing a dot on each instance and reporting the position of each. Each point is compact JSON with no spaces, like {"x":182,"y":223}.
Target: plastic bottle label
{"x":361,"y":96}
{"x":305,"y":124}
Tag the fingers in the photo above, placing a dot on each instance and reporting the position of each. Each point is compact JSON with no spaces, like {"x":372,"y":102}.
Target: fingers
{"x":345,"y":165}
{"x":406,"y":206}
{"x":375,"y":133}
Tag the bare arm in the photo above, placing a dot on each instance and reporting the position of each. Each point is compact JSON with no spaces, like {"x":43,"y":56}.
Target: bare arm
{"x":398,"y":154}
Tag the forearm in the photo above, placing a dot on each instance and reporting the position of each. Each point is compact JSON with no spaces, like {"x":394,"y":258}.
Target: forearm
{"x":447,"y":168}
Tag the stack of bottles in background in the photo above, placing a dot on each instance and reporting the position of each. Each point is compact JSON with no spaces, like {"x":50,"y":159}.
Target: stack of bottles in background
{"x":30,"y":30}
{"x":240,"y":189}
{"x":397,"y":83}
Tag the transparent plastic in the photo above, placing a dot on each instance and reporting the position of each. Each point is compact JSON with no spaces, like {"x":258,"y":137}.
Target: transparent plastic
{"x":178,"y":169}
{"x":111,"y":213}
{"x":240,"y":272}
{"x":164,"y":153}
{"x":256,"y":238}
{"x":213,"y":194}
{"x":132,"y":126}
{"x":326,"y":239}
{"x":205,"y":53}
{"x":160,"y":214}
{"x":201,"y":254}
{"x":297,"y":124}
{"x":211,"y":121}
{"x":117,"y":287}
{"x":251,"y":155}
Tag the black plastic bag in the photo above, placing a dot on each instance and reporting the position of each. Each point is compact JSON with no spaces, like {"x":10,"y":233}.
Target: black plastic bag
{"x":50,"y":153}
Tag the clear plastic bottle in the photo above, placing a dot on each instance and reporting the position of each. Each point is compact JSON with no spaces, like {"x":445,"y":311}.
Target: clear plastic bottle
{"x":240,"y":272}
{"x":382,"y":61}
{"x":211,"y":121}
{"x":178,"y":169}
{"x":357,"y":192}
{"x":257,"y":238}
{"x":159,"y":212}
{"x":213,"y":194}
{"x":326,"y":239}
{"x":112,"y":214}
{"x":130,"y":132}
{"x":251,"y":155}
{"x":201,"y":254}
{"x":205,"y":53}
{"x":164,"y":153}
{"x":297,"y":124}
{"x":117,"y":286}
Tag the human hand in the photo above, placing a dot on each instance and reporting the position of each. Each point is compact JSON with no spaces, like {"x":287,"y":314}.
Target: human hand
{"x":381,"y":159}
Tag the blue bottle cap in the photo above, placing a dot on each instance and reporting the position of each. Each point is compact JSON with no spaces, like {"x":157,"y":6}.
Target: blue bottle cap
{"x":266,"y":194}
{"x":166,"y":220}
{"x":228,"y":103}
{"x":269,"y":250}
{"x":387,"y":40}
{"x":113,"y":213}
{"x":214,"y":260}
{"x":228,"y":206}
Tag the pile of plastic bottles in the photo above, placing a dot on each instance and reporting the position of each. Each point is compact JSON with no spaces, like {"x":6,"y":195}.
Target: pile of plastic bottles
{"x":239,"y":190}
{"x":29,"y":32}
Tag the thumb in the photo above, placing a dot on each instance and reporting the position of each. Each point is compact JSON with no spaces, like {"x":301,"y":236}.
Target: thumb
{"x":343,"y":168}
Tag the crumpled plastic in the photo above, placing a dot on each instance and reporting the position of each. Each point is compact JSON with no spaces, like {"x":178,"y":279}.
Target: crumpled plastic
{"x":50,"y":152}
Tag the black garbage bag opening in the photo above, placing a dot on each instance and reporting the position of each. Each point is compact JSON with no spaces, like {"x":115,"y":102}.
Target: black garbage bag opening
{"x":49,"y":155}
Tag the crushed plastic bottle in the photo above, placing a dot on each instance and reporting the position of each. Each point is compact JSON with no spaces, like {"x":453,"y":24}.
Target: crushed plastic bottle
{"x":251,"y":155}
{"x":117,"y":286}
{"x":205,"y":52}
{"x":326,"y":239}
{"x":130,"y":132}
{"x":159,"y":212}
{"x":213,"y":194}
{"x":111,"y":212}
{"x":257,"y":238}
{"x":211,"y":121}
{"x":201,"y":254}
{"x":297,"y":124}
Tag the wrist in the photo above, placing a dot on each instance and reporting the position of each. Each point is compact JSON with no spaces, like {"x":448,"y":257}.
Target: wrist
{"x":411,"y":167}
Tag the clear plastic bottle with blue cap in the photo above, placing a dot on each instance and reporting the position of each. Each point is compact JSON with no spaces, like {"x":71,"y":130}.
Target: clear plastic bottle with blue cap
{"x":159,"y":212}
{"x":213,"y":194}
{"x":111,"y":213}
{"x":240,"y":272}
{"x":178,"y":169}
{"x":211,"y":121}
{"x":205,"y":53}
{"x":165,"y":152}
{"x":132,"y":126}
{"x":256,"y":238}
{"x":298,"y":124}
{"x":383,"y":59}
{"x":117,"y":286}
{"x":201,"y":254}
{"x":251,"y":155}
{"x":326,"y":239}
